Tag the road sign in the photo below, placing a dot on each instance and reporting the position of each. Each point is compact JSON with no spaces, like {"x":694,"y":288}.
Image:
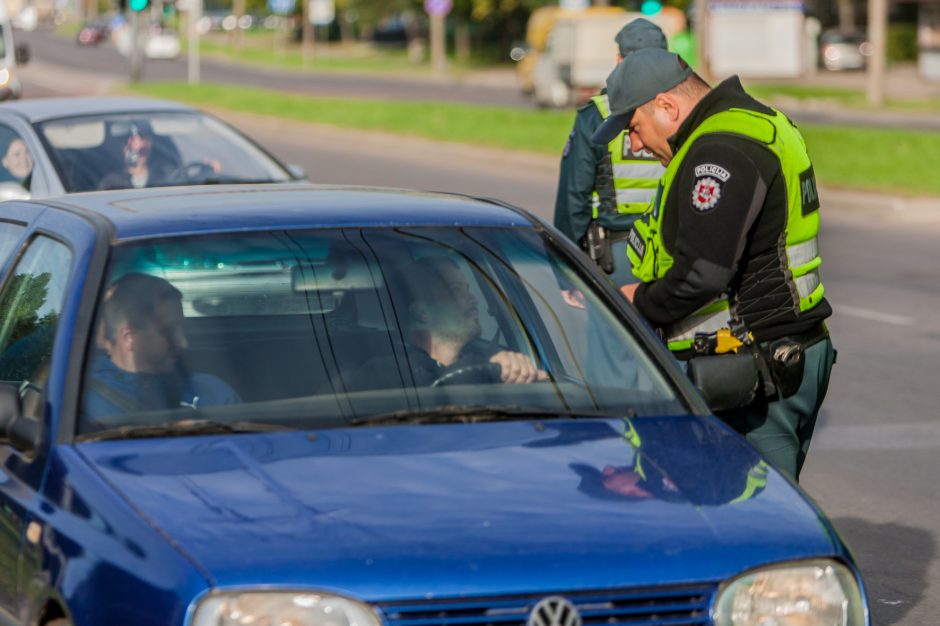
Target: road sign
{"x":438,"y":7}
{"x":282,"y":7}
{"x":322,"y":12}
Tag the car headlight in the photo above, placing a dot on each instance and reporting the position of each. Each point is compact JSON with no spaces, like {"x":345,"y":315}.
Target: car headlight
{"x":5,"y":77}
{"x":282,"y":608}
{"x":812,"y":593}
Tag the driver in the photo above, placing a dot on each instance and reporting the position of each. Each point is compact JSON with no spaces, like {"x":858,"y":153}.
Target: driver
{"x":442,"y":329}
{"x":138,"y":169}
{"x":141,"y":334}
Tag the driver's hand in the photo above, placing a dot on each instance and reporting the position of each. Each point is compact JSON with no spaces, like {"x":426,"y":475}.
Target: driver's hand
{"x":516,"y":368}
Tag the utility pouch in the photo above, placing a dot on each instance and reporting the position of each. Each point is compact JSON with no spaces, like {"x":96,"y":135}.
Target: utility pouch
{"x":728,"y":381}
{"x":598,"y":247}
{"x":787,"y":362}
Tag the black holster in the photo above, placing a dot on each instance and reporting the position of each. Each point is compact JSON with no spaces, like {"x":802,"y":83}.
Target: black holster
{"x":598,"y":248}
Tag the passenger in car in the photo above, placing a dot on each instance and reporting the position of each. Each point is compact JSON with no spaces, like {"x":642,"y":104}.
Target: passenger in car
{"x":18,"y":161}
{"x":442,"y":331}
{"x":139,"y":367}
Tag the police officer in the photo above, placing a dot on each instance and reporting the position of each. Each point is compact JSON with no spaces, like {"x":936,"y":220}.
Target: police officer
{"x":601,"y":189}
{"x":730,"y":239}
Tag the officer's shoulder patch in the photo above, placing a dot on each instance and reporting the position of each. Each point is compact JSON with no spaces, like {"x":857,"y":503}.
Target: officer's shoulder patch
{"x":710,"y":169}
{"x":706,"y":193}
{"x":567,"y":149}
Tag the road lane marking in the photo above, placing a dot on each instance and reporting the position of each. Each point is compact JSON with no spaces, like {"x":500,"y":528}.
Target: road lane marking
{"x":875,"y":316}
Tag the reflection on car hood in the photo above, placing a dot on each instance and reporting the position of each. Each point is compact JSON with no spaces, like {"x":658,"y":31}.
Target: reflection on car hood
{"x":392,"y":512}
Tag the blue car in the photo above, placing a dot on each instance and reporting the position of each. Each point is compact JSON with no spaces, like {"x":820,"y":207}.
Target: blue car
{"x":315,"y":406}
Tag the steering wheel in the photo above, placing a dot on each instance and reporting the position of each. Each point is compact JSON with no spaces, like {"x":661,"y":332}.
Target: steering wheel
{"x":478,"y":373}
{"x":191,"y":172}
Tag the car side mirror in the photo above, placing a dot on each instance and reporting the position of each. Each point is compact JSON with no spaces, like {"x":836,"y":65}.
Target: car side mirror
{"x":16,"y":429}
{"x":21,"y":53}
{"x":13,"y":191}
{"x":296,"y":171}
{"x":727,"y":381}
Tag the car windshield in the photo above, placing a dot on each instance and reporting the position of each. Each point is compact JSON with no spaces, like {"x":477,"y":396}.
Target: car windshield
{"x":152,"y":149}
{"x":328,"y":328}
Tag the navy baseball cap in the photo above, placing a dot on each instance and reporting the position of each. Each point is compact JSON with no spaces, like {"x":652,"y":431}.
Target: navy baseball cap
{"x":635,"y":81}
{"x":639,"y":34}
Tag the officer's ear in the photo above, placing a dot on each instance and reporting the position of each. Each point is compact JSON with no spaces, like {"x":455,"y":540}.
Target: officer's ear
{"x":668,"y":105}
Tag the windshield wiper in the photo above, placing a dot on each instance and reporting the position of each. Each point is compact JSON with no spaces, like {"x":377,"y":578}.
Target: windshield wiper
{"x":183,"y":428}
{"x":470,"y":413}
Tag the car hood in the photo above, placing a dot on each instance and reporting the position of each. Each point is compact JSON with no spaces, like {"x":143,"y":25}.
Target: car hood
{"x":392,"y":512}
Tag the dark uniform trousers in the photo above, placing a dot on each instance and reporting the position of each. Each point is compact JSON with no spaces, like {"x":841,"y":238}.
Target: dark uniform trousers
{"x":782,"y":429}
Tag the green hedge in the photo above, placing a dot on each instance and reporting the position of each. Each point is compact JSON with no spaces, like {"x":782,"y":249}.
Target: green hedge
{"x":902,"y":42}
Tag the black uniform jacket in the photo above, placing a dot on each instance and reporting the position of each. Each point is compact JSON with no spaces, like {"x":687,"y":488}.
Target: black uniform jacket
{"x":726,"y":181}
{"x":578,"y":174}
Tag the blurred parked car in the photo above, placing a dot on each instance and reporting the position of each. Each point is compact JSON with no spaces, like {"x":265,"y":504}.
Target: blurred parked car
{"x":92,"y":33}
{"x":839,"y":50}
{"x":77,"y":144}
{"x":163,"y":43}
{"x":333,"y":473}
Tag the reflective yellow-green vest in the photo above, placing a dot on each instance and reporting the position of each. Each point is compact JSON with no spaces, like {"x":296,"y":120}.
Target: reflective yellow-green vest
{"x":651,"y":260}
{"x":634,"y":176}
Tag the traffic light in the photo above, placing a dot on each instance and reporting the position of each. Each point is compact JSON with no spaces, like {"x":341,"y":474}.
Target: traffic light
{"x":649,"y":7}
{"x":138,"y":5}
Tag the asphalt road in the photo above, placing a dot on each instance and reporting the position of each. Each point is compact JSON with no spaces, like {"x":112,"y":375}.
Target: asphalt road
{"x":874,"y":461}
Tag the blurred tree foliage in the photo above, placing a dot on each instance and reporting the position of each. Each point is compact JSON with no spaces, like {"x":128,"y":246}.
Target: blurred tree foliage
{"x":902,"y":42}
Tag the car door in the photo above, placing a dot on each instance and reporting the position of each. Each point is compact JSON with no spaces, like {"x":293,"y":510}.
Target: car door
{"x":38,"y":303}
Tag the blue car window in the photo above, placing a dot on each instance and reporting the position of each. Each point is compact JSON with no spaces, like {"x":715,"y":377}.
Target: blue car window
{"x":324,"y":328}
{"x":30,"y":305}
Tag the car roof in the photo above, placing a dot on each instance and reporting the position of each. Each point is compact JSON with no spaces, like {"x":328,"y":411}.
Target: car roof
{"x":168,"y":211}
{"x":43,"y":109}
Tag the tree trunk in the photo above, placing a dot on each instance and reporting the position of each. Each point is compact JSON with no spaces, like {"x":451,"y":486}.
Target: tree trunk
{"x":462,"y":41}
{"x":846,"y":10}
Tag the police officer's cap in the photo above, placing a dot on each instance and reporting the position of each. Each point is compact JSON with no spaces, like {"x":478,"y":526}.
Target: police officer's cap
{"x":639,"y":34}
{"x":635,"y":81}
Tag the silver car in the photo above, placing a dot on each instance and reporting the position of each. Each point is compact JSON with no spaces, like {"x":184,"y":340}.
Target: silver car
{"x":54,"y":146}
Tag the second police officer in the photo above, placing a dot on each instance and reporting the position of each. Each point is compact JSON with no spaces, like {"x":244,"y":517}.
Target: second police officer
{"x":730,"y":243}
{"x":602,"y":189}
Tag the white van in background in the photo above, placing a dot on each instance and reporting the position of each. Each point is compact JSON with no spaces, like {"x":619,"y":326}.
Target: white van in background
{"x":11,"y":55}
{"x":579,"y":54}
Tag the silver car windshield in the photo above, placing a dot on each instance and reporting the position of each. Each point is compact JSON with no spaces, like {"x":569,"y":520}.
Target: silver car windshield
{"x":326,"y":328}
{"x":152,"y":149}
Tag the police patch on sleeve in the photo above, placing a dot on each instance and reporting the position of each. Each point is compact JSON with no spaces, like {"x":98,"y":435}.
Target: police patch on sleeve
{"x":706,"y":193}
{"x":710,"y":169}
{"x":568,"y":145}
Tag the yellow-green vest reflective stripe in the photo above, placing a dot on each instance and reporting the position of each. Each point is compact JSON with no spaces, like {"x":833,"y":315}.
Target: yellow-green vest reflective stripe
{"x":633,"y":438}
{"x":756,"y":481}
{"x":650,"y":259}
{"x":634,"y":179}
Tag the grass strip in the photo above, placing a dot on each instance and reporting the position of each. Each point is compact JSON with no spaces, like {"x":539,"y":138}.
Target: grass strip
{"x":887,"y":160}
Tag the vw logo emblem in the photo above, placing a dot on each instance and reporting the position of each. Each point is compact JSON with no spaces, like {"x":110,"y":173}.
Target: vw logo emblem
{"x":554,"y":611}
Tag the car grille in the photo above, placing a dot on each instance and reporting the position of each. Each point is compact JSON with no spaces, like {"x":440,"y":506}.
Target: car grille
{"x":660,"y":606}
